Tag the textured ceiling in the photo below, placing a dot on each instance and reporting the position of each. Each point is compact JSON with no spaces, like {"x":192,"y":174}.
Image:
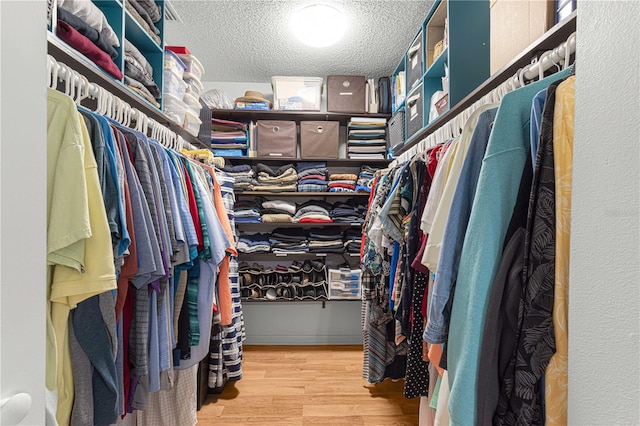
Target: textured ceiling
{"x":249,"y":40}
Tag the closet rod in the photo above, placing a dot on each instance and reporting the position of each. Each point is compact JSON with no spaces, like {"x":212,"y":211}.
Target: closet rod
{"x":63,"y":53}
{"x":551,"y":58}
{"x":78,"y":87}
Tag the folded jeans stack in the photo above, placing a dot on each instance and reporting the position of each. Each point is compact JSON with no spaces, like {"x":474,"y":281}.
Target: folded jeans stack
{"x":288,"y":241}
{"x":247,"y":211}
{"x":244,"y":177}
{"x":327,"y":240}
{"x":348,"y":212}
{"x":254,"y":243}
{"x":312,"y":176}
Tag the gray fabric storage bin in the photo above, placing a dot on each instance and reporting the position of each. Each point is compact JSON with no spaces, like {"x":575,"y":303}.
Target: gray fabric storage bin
{"x":319,"y":139}
{"x":277,"y":139}
{"x":415,"y":61}
{"x":414,"y":111}
{"x":396,"y":129}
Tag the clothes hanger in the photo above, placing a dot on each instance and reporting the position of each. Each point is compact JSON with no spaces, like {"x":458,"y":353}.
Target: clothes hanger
{"x":51,"y":65}
{"x":84,"y":89}
{"x":541,"y":70}
{"x":567,"y":50}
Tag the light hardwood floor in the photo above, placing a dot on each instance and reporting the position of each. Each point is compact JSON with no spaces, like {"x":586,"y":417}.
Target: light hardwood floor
{"x":307,"y":385}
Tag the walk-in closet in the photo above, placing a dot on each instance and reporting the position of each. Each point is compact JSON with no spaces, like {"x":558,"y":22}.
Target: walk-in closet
{"x":380,"y":212}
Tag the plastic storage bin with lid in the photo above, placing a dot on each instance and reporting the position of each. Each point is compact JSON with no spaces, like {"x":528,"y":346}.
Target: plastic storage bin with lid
{"x":192,"y":102}
{"x":296,"y":93}
{"x":193,"y":66}
{"x":173,"y":85}
{"x":194,"y":86}
{"x":192,"y":122}
{"x":174,"y":63}
{"x":174,"y":108}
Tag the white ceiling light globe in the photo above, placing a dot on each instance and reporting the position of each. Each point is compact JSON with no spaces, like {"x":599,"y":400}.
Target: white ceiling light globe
{"x":318,"y":25}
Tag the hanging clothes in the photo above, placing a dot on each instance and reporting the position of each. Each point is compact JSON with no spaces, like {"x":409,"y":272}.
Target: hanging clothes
{"x":139,"y":242}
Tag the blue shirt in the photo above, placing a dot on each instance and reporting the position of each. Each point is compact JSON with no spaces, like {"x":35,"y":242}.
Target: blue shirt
{"x":537,"y":105}
{"x":437,"y":327}
{"x":496,"y":194}
{"x":208,"y":277}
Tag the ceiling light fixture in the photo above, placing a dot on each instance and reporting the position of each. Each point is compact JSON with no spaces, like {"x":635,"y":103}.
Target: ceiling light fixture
{"x":318,"y":25}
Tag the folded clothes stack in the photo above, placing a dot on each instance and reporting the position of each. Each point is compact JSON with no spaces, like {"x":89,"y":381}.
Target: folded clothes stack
{"x":101,"y":41}
{"x":278,"y":211}
{"x":325,"y":240}
{"x":84,"y":27}
{"x":288,"y":241}
{"x":342,"y":182}
{"x":147,"y":14}
{"x":254,"y":243}
{"x":365,"y":178}
{"x":312,"y":176}
{"x":243,"y":175}
{"x":247,"y":211}
{"x":352,"y":239}
{"x":139,"y":73}
{"x":282,"y":179}
{"x":348,"y":212}
{"x":313,"y":211}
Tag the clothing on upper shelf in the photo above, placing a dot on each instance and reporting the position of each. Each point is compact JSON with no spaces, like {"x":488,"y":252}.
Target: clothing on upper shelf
{"x":92,"y":16}
{"x":143,"y":23}
{"x":147,"y":10}
{"x":82,"y":44}
{"x":88,"y":31}
{"x":137,"y":68}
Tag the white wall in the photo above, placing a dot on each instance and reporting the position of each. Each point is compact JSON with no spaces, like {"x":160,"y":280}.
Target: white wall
{"x":604,"y":339}
{"x":23,"y":197}
{"x":307,"y":323}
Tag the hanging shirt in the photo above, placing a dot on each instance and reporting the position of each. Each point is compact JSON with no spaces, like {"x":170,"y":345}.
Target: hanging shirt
{"x":207,"y":279}
{"x":556,"y":373}
{"x":78,"y":237}
{"x":437,"y":327}
{"x":496,"y":193}
{"x":537,"y":105}
{"x":439,"y":221}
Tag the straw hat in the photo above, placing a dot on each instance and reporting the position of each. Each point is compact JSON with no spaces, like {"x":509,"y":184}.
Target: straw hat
{"x":253,"y":96}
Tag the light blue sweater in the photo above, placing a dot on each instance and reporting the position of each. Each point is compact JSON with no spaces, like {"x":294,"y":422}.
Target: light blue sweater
{"x":493,"y":205}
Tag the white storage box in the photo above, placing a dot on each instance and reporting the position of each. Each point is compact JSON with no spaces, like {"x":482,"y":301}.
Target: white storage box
{"x":174,"y":63}
{"x":193,"y":66}
{"x":173,"y":84}
{"x":192,"y":122}
{"x":195,"y":86}
{"x":296,"y":93}
{"x":192,"y":102}
{"x":174,"y":108}
{"x":345,"y":284}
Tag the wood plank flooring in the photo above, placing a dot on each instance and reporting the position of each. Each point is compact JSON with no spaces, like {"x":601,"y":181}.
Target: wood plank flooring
{"x":307,"y":385}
